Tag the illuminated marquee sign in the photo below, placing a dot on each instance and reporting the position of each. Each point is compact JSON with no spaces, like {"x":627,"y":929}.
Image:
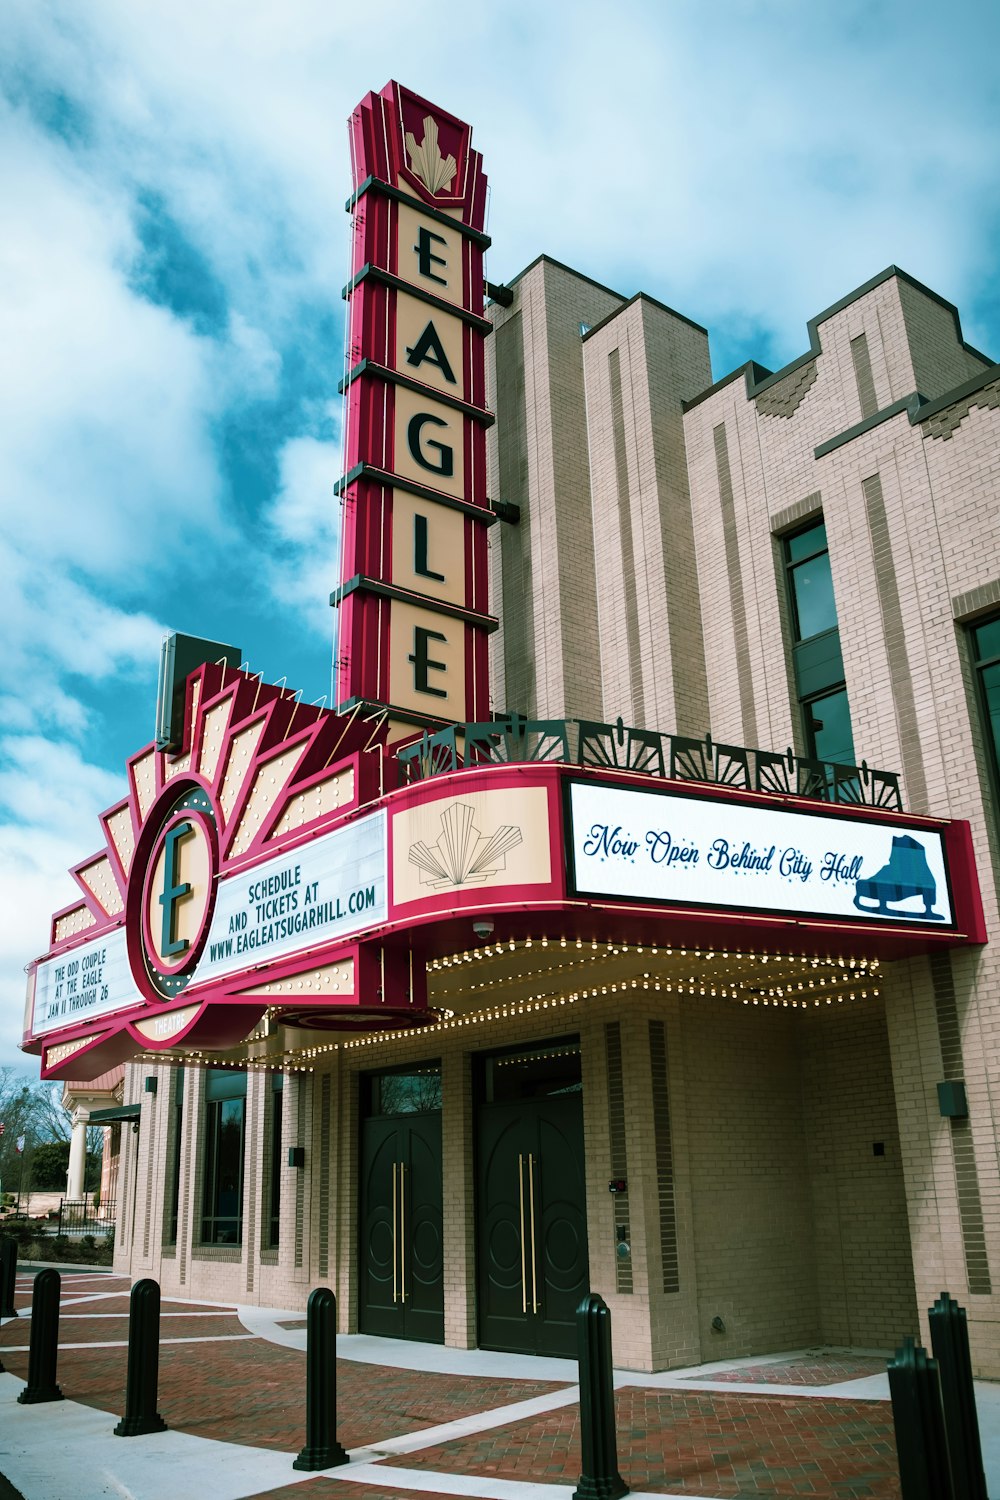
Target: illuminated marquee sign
{"x":240,"y":874}
{"x":87,"y":982}
{"x":413,"y":621}
{"x":325,"y":890}
{"x":700,"y":851}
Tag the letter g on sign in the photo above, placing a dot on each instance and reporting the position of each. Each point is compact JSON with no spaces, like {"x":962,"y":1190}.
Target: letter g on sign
{"x":444,"y":463}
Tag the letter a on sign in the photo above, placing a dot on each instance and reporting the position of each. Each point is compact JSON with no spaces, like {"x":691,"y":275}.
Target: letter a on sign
{"x":429,"y":348}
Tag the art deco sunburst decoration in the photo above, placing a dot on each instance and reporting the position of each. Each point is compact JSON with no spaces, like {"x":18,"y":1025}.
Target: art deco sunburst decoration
{"x":462,"y":856}
{"x":434,"y":170}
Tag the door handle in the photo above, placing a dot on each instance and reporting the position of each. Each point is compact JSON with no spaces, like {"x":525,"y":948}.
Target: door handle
{"x":531,"y":1206}
{"x":402,"y":1232}
{"x":395,"y":1247}
{"x":524,"y":1269}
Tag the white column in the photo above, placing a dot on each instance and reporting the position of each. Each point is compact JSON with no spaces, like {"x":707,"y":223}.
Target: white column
{"x":77,"y":1154}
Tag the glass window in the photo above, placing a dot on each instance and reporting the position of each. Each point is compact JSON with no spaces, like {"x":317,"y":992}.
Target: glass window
{"x":274,"y":1197}
{"x":828,"y":725}
{"x":538,"y":1073}
{"x":986,"y":656}
{"x":807,"y":543}
{"x":414,"y":1092}
{"x":225,"y":1118}
{"x":819,"y":668}
{"x":811,"y":582}
{"x":175,"y":1158}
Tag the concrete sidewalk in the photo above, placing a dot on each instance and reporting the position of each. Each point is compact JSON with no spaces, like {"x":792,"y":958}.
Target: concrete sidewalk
{"x":422,"y":1420}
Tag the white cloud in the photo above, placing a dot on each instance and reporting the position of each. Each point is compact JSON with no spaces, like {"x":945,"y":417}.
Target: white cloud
{"x":55,"y":796}
{"x":107,"y":399}
{"x":59,"y":637}
{"x":305,"y":522}
{"x":763,"y":162}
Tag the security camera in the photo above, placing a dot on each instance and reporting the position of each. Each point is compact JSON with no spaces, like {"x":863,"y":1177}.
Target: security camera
{"x":483,"y":930}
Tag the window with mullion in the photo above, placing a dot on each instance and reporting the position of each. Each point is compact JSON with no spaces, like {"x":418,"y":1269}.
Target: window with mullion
{"x":174,"y":1189}
{"x":274,"y":1185}
{"x":986,"y":660}
{"x":810,"y":581}
{"x":225,"y":1123}
{"x":816,"y":657}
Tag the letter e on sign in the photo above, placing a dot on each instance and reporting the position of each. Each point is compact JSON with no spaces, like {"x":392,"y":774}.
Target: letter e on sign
{"x":429,"y":254}
{"x":426,"y":661}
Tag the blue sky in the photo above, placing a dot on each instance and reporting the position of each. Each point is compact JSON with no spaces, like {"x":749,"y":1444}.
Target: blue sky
{"x":174,"y":245}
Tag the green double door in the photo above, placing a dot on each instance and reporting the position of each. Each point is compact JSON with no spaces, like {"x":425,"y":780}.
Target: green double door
{"x":532,"y":1229}
{"x":402,"y":1260}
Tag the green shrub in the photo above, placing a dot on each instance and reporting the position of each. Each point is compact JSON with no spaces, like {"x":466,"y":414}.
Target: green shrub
{"x":19,"y":1230}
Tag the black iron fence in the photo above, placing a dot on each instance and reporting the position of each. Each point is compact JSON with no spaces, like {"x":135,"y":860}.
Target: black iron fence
{"x":85,"y":1217}
{"x":618,"y":747}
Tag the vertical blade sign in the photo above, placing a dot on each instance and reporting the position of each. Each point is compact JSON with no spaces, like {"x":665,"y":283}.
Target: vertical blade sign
{"x":412,"y":601}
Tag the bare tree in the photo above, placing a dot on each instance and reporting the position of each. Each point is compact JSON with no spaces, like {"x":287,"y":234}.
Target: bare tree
{"x":31,"y":1113}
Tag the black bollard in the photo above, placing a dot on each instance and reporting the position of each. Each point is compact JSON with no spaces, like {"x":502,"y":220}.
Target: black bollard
{"x":600,"y":1479}
{"x":8,"y":1279}
{"x":918,"y":1417}
{"x":322,"y":1449}
{"x":8,"y":1276}
{"x":44,"y":1342}
{"x":950,"y":1346}
{"x":143,"y":1374}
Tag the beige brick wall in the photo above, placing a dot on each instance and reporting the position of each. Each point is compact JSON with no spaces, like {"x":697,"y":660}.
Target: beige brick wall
{"x":863,"y":1264}
{"x":542,"y":572}
{"x":638,"y":368}
{"x":940,"y":359}
{"x":908,"y":682}
{"x":752,"y":1208}
{"x":788,"y":1227}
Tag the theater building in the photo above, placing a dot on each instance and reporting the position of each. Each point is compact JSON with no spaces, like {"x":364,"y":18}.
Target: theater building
{"x":628,"y":925}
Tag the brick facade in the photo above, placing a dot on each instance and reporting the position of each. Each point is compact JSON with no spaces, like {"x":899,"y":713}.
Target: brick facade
{"x":790,"y":1178}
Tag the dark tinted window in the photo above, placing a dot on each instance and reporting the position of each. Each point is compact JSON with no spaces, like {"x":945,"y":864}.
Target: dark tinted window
{"x":536,"y":1073}
{"x":222,"y":1195}
{"x":413,"y":1092}
{"x":828,"y":721}
{"x":986,"y":655}
{"x":811,"y":582}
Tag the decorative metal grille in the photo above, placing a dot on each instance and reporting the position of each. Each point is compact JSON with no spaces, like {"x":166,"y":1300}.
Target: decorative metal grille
{"x":619,"y":747}
{"x":432,"y":755}
{"x":516,"y":739}
{"x":616,"y":747}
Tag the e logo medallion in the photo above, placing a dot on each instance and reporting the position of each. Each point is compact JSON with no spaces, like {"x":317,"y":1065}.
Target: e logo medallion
{"x":177,"y":893}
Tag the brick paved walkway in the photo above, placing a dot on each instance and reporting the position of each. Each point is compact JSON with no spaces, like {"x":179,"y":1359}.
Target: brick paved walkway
{"x":223,"y":1383}
{"x":253,"y":1392}
{"x":823,"y":1369}
{"x":701,"y":1444}
{"x":335,"y":1489}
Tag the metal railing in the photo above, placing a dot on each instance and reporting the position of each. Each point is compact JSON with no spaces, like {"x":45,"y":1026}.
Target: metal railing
{"x":84,"y":1217}
{"x":617,"y":747}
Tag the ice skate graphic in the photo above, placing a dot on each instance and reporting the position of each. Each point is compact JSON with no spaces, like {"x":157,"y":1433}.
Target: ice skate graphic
{"x":906,"y":875}
{"x":462,"y":856}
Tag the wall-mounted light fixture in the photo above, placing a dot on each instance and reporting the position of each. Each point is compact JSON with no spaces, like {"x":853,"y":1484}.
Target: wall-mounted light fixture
{"x":296,"y":1156}
{"x":150,"y":1084}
